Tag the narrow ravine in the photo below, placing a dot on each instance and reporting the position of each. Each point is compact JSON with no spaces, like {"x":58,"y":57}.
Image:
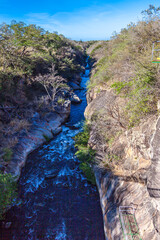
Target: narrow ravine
{"x":57,"y":201}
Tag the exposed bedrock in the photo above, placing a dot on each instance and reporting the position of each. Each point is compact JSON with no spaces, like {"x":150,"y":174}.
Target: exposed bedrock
{"x":132,"y":177}
{"x":40,"y":132}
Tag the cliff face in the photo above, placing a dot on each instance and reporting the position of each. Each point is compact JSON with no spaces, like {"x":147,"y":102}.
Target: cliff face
{"x":127,"y":172}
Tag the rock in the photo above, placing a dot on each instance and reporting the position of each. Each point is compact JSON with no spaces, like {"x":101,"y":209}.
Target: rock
{"x":65,"y":108}
{"x":49,"y":176}
{"x":48,"y":126}
{"x":76,"y":79}
{"x":133,"y":178}
{"x":156,"y":222}
{"x":74,"y":86}
{"x":8,"y":225}
{"x":51,"y":173}
{"x":56,"y":131}
{"x":74,"y":98}
{"x":36,"y":116}
{"x":72,"y":127}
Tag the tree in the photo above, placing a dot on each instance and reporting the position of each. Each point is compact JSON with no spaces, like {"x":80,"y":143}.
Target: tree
{"x":27,"y":36}
{"x":51,"y":82}
{"x":151,"y":13}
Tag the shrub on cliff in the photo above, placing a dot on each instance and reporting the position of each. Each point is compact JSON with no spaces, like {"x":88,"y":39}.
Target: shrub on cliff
{"x":82,"y":138}
{"x":7,"y":192}
{"x":125,"y":65}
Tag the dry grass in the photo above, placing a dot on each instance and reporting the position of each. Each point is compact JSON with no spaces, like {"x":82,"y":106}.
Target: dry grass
{"x":18,"y":125}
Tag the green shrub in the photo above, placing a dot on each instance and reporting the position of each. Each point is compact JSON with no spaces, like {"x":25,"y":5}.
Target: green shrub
{"x":139,"y":93}
{"x":7,"y":192}
{"x":60,"y":101}
{"x":87,"y":170}
{"x":119,"y":86}
{"x":81,"y":139}
{"x":7,"y":154}
{"x":85,"y":154}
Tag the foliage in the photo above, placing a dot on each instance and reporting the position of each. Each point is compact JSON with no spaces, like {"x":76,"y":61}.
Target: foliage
{"x":126,"y":66}
{"x":96,"y":48}
{"x":85,"y":154}
{"x":60,"y":101}
{"x":82,"y":138}
{"x":7,"y":154}
{"x":7,"y":192}
{"x":87,"y":170}
{"x":139,"y":91}
{"x":30,"y":52}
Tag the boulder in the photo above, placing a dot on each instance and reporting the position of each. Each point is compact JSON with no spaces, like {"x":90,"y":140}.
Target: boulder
{"x":56,"y":131}
{"x":8,"y":225}
{"x":51,"y":173}
{"x":74,"y":98}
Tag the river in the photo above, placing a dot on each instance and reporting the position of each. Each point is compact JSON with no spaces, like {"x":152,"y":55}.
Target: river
{"x":57,"y":201}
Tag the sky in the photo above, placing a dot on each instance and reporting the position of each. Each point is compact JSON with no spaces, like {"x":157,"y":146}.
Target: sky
{"x":76,"y":19}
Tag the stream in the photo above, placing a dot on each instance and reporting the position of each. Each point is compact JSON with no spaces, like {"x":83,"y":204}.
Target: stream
{"x":58,"y":203}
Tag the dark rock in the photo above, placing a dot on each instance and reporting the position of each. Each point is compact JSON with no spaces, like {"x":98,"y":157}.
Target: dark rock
{"x":49,"y":176}
{"x":72,"y":127}
{"x":51,"y":173}
{"x":55,"y":132}
{"x":65,"y":108}
{"x":35,"y":116}
{"x":8,"y":225}
{"x":74,"y":86}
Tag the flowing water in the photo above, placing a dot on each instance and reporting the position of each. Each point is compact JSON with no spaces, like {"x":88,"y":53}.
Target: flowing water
{"x":57,"y":201}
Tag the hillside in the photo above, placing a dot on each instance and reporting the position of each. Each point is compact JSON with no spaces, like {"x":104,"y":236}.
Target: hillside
{"x":123,"y":115}
{"x":39,"y":71}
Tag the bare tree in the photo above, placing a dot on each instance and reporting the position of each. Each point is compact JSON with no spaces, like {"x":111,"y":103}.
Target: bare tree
{"x":114,"y":112}
{"x":52,"y":82}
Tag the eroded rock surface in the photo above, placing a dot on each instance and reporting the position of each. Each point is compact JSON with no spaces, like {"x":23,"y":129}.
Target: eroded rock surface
{"x":40,"y":132}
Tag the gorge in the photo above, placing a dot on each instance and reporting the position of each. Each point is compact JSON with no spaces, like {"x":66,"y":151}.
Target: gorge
{"x":57,"y":202}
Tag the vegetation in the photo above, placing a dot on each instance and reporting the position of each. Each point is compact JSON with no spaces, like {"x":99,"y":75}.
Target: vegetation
{"x":35,"y":68}
{"x":7,"y":154}
{"x":7,"y":192}
{"x":123,"y":67}
{"x":60,"y":101}
{"x":85,"y":153}
{"x":126,"y":66}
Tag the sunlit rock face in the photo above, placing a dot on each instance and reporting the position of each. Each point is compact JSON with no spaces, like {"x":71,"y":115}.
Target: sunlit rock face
{"x":133,"y":178}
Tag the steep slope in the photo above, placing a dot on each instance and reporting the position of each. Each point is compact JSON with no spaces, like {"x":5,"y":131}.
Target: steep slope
{"x":122,"y":111}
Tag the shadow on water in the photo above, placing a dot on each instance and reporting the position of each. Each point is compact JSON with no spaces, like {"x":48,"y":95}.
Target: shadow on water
{"x":57,"y":201}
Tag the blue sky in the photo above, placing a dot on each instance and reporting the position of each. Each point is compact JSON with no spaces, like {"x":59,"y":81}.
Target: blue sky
{"x":79,"y":20}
